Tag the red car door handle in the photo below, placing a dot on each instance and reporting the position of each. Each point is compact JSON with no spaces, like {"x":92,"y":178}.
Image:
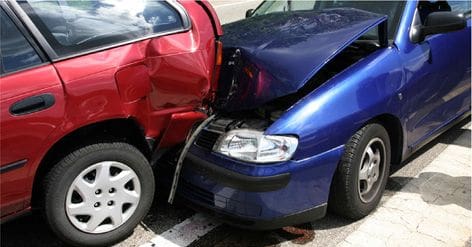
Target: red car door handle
{"x":32,"y":104}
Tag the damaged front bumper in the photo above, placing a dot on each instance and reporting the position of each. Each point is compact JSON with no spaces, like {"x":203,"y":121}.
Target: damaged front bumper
{"x":258,"y":196}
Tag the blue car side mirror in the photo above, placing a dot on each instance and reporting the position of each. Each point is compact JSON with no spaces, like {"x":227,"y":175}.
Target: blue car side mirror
{"x":438,"y":22}
{"x":249,"y":13}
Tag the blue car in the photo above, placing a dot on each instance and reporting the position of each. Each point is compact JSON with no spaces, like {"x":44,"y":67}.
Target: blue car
{"x":317,"y":99}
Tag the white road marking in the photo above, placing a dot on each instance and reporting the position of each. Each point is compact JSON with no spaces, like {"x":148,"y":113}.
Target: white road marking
{"x":184,"y":233}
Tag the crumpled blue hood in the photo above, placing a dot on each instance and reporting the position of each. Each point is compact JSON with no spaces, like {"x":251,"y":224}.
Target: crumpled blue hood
{"x":280,"y":52}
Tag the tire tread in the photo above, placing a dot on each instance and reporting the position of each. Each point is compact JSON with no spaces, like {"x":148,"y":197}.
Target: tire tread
{"x":52,"y":178}
{"x":341,"y":198}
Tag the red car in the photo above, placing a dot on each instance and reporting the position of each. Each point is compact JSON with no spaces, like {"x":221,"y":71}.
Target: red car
{"x":91,"y":92}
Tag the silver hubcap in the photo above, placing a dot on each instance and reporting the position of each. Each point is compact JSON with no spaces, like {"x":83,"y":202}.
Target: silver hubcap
{"x":103,"y":197}
{"x":371,"y":170}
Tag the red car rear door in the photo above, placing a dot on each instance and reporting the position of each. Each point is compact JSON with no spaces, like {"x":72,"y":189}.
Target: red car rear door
{"x":31,"y":106}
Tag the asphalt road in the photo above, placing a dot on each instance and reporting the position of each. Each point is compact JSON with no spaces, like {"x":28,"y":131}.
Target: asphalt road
{"x":31,"y":230}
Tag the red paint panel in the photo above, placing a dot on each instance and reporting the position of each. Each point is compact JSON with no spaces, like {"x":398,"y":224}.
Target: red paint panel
{"x":179,"y":80}
{"x":179,"y":127}
{"x":133,"y":82}
{"x":13,"y":191}
{"x":215,"y":19}
{"x":17,"y":84}
{"x":24,"y":136}
{"x":158,"y":82}
{"x":79,"y":67}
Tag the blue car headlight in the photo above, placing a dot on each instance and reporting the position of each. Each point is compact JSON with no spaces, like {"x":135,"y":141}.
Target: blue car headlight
{"x":254,"y":146}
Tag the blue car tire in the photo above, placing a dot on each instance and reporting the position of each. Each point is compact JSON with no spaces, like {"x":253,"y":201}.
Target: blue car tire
{"x":362,"y":174}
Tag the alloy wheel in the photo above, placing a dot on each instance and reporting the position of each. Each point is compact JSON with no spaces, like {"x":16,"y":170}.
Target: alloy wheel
{"x":371,"y":170}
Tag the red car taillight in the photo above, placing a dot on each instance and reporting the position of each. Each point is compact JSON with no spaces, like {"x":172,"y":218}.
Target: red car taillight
{"x":219,"y":53}
{"x":216,"y":71}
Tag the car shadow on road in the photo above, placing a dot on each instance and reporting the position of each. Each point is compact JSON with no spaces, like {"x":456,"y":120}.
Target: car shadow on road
{"x":463,"y":142}
{"x":440,"y":189}
{"x":33,"y":230}
{"x":163,"y":216}
{"x":298,"y":235}
{"x":28,"y":230}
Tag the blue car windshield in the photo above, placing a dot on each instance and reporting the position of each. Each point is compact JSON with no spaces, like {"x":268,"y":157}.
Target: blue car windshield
{"x":392,"y":9}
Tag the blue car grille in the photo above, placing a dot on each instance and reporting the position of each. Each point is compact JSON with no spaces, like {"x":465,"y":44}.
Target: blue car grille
{"x":196,"y":193}
{"x":207,"y":139}
{"x":209,"y":199}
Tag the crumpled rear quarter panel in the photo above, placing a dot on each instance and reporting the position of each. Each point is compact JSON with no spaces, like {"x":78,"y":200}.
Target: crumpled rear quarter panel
{"x":147,"y":80}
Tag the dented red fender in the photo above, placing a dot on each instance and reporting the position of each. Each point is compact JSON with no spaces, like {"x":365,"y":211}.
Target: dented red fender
{"x":179,"y":126}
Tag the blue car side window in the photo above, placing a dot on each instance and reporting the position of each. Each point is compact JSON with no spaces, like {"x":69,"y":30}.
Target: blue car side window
{"x":16,"y":52}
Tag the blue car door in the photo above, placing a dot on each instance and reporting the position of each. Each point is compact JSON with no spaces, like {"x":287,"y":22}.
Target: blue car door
{"x":438,"y":76}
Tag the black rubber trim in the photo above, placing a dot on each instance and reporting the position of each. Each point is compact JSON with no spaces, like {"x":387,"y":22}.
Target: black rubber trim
{"x":13,"y":166}
{"x":308,"y":215}
{"x":32,"y":104}
{"x":16,"y":215}
{"x":421,"y":143}
{"x":234,"y":179}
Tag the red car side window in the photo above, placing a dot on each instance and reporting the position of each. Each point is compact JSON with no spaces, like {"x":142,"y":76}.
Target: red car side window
{"x":72,"y":27}
{"x":16,"y":52}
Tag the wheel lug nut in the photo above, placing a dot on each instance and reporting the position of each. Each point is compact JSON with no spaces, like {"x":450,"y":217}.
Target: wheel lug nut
{"x":112,"y":190}
{"x":110,"y":203}
{"x":97,"y":204}
{"x":98,"y":192}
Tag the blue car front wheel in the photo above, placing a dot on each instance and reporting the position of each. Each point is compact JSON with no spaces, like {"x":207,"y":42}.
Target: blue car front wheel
{"x":362,"y":174}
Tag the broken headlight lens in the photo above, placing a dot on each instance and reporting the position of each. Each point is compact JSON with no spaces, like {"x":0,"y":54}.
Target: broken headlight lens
{"x":254,"y":146}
